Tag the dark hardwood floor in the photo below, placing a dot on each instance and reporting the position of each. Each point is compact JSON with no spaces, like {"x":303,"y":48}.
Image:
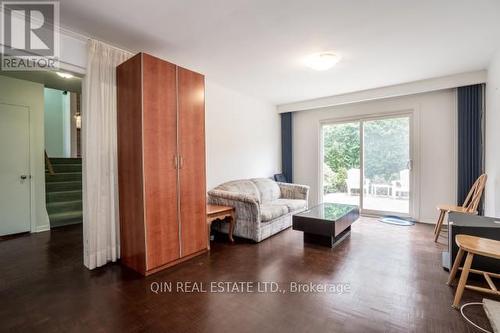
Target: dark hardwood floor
{"x":394,"y":273}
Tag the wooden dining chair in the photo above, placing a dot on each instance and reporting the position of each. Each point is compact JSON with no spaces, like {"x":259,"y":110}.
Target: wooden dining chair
{"x":469,"y":206}
{"x":470,"y":246}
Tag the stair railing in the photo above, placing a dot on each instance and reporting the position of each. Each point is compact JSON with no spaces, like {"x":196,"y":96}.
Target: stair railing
{"x":49,"y":164}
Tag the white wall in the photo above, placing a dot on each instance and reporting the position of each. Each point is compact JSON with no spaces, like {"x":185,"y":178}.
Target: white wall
{"x":492,"y":155}
{"x":398,"y":90}
{"x":243,"y":136}
{"x":434,"y":161}
{"x":30,"y":94}
{"x":73,"y":52}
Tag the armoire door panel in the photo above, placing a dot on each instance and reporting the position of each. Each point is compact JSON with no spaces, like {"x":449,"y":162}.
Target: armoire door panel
{"x":192,"y":187}
{"x":130,"y":180}
{"x":160,"y":149}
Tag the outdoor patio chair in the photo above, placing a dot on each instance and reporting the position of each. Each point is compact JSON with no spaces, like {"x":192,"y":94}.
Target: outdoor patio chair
{"x":402,"y":185}
{"x":352,"y":181}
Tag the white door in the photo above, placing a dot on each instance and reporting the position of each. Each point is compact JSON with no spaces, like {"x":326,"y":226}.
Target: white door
{"x":14,"y":170}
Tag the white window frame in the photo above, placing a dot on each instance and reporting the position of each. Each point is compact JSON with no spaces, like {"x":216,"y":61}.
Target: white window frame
{"x":414,"y":200}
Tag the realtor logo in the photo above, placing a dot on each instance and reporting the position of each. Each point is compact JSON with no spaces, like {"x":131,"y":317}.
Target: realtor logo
{"x":30,"y":35}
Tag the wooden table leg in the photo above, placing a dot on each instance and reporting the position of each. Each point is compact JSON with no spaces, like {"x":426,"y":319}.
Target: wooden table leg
{"x":232,"y":222}
{"x":463,"y":280}
{"x":456,"y":264}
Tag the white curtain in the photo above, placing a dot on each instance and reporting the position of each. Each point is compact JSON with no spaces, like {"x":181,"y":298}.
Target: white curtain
{"x":101,"y":230}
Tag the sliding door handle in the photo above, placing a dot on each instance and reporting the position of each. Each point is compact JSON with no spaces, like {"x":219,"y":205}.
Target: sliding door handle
{"x":409,"y":164}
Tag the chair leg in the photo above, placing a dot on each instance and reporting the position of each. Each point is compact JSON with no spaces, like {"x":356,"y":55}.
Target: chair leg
{"x":463,"y":280}
{"x":456,"y":264}
{"x":441,"y":216}
{"x":439,"y":223}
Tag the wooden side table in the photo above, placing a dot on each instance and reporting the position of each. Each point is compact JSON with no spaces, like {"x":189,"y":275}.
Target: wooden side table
{"x":215,"y":212}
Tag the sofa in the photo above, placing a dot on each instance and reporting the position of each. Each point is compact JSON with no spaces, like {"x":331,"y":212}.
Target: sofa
{"x":263,"y":207}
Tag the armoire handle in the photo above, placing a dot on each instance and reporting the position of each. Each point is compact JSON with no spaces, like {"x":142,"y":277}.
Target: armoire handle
{"x":176,"y":164}
{"x":181,"y":161}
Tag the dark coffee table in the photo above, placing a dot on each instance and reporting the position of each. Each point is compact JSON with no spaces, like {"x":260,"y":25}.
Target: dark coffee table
{"x":326,"y":224}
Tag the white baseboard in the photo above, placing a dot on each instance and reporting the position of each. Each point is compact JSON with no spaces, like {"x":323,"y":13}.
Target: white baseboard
{"x":42,"y":228}
{"x":431,"y":221}
{"x":427,"y":221}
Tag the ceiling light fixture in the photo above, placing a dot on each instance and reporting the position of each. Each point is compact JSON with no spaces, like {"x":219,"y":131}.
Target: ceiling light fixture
{"x":322,"y":61}
{"x":65,"y":75}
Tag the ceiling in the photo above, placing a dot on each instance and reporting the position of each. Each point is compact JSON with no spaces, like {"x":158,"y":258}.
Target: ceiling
{"x":48,"y":78}
{"x":257,"y":46}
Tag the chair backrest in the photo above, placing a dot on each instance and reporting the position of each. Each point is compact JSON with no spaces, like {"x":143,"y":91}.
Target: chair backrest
{"x":353,"y":178}
{"x":474,"y":197}
{"x":404,"y":178}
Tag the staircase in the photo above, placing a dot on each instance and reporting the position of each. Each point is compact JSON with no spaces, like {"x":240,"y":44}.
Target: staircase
{"x":63,"y":191}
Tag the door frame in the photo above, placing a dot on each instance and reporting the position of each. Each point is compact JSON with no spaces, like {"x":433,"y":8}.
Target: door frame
{"x":414,"y":197}
{"x":32,"y":191}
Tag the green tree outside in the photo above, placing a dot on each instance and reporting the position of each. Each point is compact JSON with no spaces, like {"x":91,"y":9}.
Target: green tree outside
{"x":386,"y":143}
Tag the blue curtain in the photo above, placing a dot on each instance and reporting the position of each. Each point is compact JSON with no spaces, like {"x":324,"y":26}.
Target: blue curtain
{"x":470,"y":138}
{"x":286,"y":146}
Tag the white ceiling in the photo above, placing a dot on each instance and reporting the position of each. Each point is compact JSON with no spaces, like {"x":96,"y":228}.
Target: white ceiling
{"x":256,"y":46}
{"x":48,"y":78}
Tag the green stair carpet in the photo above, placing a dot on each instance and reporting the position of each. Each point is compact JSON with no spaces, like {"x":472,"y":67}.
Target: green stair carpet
{"x":64,"y":191}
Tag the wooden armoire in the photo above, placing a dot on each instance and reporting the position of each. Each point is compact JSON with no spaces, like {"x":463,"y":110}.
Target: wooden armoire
{"x":161,"y":163}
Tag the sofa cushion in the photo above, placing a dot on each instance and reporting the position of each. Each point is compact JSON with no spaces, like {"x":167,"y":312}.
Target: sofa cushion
{"x":268,"y":189}
{"x":270,"y":211}
{"x":292,"y":204}
{"x":241,"y":186}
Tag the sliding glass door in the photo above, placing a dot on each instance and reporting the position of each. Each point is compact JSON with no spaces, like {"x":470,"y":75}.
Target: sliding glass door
{"x":341,"y":163}
{"x":367,"y":162}
{"x":386,"y":164}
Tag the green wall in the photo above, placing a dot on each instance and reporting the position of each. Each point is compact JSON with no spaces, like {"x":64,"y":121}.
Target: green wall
{"x":57,"y":123}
